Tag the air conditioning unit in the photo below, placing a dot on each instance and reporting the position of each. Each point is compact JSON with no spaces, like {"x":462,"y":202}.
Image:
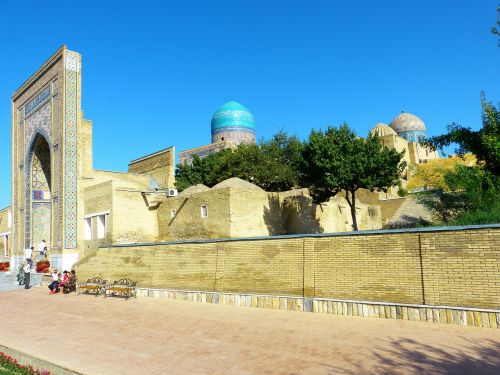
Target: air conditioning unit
{"x":171,"y":192}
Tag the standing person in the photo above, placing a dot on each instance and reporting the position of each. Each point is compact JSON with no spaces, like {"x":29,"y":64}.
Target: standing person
{"x":28,"y":254}
{"x":20,"y":275}
{"x":27,"y":270}
{"x":42,"y":247}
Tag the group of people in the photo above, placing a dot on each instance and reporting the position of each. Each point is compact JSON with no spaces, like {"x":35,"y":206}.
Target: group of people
{"x":59,"y":281}
{"x":42,"y":250}
{"x":26,"y":269}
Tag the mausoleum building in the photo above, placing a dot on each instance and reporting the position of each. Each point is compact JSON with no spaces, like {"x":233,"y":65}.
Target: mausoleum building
{"x":59,"y":197}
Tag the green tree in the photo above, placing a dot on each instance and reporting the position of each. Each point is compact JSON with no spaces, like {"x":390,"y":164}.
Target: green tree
{"x":337,"y":160}
{"x":188,"y":175}
{"x":272,"y":164}
{"x":200,"y":171}
{"x":483,"y":143}
{"x":470,"y":196}
{"x":282,"y":158}
{"x":496,"y":29}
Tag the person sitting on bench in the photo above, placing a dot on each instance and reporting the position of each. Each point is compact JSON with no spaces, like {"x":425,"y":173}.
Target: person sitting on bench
{"x":63,"y":282}
{"x":55,"y":280}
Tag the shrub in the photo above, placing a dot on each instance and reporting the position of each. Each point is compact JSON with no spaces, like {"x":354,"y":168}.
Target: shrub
{"x":43,"y":266}
{"x":402,"y":192}
{"x":4,"y":266}
{"x":14,"y":367}
{"x":489,"y":215}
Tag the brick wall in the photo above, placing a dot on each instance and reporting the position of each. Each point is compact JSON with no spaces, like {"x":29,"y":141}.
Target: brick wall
{"x":437,"y":266}
{"x":160,"y":165}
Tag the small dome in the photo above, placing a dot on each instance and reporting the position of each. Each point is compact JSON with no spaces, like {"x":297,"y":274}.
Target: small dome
{"x":406,"y":122}
{"x":232,"y":116}
{"x":193,"y":190}
{"x":382,"y":130}
{"x":237,"y":183}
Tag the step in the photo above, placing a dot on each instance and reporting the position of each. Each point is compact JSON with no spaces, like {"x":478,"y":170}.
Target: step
{"x":8,"y":281}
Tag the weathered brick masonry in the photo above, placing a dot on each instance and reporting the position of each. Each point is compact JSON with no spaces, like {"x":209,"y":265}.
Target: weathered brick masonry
{"x":438,"y":266}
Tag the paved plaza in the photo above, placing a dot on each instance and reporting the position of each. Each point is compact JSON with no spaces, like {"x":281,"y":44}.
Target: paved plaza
{"x":93,"y":335}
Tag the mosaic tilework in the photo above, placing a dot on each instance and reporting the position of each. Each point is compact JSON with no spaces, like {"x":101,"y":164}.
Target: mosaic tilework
{"x":40,"y":172}
{"x":413,"y":136}
{"x":40,"y":195}
{"x":41,"y":222}
{"x":406,"y":122}
{"x":58,"y":161}
{"x":40,"y":122}
{"x":22,"y":137}
{"x":71,"y":66}
{"x":44,"y":94}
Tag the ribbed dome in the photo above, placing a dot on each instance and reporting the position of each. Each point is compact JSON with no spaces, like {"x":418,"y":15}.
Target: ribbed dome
{"x":382,"y":130}
{"x":406,"y":122}
{"x":232,"y":116}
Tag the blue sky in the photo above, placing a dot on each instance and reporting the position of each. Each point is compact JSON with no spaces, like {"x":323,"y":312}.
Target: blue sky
{"x":155,"y":71}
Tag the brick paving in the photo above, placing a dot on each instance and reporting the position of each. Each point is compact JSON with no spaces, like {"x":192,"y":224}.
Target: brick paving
{"x":94,"y":335}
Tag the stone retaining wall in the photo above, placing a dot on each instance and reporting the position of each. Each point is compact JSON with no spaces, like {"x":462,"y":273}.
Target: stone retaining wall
{"x":457,"y":266}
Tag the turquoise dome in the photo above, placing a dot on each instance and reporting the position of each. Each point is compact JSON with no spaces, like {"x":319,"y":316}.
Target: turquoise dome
{"x":232,"y":117}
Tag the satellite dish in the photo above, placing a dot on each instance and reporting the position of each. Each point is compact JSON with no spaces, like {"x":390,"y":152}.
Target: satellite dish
{"x":153,"y":184}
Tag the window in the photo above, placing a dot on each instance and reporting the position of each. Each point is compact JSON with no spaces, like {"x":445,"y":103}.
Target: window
{"x":5,"y":239}
{"x":95,"y":225}
{"x":7,"y":245}
{"x":88,"y":228}
{"x":101,"y":226}
{"x":173,"y":213}
{"x":204,"y":211}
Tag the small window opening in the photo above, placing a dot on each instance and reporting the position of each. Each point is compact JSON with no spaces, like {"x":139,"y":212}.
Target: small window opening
{"x":101,"y":226}
{"x":88,"y":228}
{"x":204,"y":211}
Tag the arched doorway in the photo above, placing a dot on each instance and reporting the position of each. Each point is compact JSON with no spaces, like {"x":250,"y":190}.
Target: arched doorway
{"x":40,"y":184}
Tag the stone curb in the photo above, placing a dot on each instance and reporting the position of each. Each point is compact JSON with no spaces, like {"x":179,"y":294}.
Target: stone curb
{"x":487,"y":318}
{"x":37,"y":363}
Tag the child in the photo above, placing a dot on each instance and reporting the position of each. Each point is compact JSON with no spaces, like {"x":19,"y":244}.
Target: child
{"x":56,"y":283}
{"x":55,"y":279}
{"x":63,"y":281}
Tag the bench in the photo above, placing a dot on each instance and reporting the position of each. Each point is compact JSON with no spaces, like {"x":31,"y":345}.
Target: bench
{"x":95,"y":286}
{"x":122,"y":287}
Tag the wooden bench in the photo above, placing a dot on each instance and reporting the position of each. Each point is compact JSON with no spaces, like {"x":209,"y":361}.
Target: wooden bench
{"x":122,"y":287}
{"x":95,"y":286}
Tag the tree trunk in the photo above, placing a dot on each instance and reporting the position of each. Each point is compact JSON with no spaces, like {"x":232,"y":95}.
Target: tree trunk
{"x":352,"y":204}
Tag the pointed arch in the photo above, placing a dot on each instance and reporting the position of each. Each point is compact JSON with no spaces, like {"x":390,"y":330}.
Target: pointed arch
{"x":39,"y":188}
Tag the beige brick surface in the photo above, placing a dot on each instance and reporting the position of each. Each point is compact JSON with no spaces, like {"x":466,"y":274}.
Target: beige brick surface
{"x":451,"y":268}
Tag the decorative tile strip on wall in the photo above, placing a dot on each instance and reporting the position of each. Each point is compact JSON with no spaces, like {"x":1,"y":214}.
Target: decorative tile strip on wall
{"x":487,"y":318}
